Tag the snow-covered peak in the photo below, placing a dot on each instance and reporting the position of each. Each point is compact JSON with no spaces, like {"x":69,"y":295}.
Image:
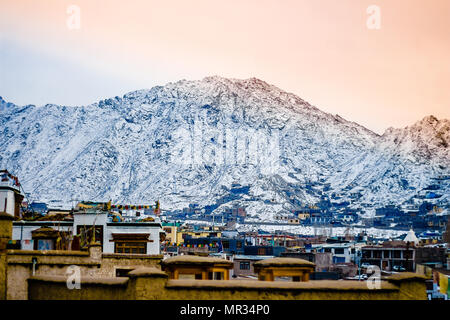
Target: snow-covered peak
{"x":4,"y":105}
{"x":191,"y":141}
{"x":427,"y":139}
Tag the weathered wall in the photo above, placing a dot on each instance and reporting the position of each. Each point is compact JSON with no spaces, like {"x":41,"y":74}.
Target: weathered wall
{"x":5,"y":236}
{"x":56,"y":289}
{"x":152,"y":284}
{"x":323,"y":261}
{"x":93,"y":264}
{"x":111,"y":262}
{"x":20,"y":267}
{"x":410,"y":285}
{"x":243,"y":272}
{"x":424,"y":270}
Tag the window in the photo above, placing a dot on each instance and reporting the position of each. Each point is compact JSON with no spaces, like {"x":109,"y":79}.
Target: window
{"x":338,"y":251}
{"x":327,"y":250}
{"x":377,"y":254}
{"x":45,"y":244}
{"x":226,"y":244}
{"x":244,"y":265}
{"x":131,"y":242}
{"x":407,"y":254}
{"x":262,"y":251}
{"x":396,"y":254}
{"x":86,"y":233}
{"x":239,"y":244}
{"x":122,"y":272}
{"x":130,"y":247}
{"x":215,"y":276}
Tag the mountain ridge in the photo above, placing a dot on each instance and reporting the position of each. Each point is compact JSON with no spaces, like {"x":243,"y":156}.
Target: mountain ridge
{"x":129,"y":149}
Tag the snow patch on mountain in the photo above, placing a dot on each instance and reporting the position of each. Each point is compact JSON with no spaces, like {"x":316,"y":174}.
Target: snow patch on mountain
{"x":190,"y":141}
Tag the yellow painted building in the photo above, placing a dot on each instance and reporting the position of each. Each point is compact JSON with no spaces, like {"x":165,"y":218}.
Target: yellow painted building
{"x":171,"y":231}
{"x":198,"y":268}
{"x":195,"y":234}
{"x":303,"y":215}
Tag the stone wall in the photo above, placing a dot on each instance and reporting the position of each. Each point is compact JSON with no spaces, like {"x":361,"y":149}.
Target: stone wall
{"x":5,"y":236}
{"x":151,"y":284}
{"x":92,"y":264}
{"x":42,"y":275}
{"x":17,"y":266}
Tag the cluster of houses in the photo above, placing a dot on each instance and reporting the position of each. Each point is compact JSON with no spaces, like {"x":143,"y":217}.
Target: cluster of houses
{"x":426,"y":211}
{"x":339,"y":257}
{"x":140,"y":230}
{"x":423,"y":217}
{"x":233,"y":214}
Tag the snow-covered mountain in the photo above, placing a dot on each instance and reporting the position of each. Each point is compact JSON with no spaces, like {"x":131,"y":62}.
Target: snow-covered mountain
{"x":219,"y":142}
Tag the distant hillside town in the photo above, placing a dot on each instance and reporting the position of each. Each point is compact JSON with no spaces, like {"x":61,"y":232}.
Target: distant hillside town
{"x":325,"y":241}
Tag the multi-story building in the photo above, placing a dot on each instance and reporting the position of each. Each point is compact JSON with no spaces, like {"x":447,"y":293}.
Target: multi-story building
{"x":142,"y":237}
{"x":195,"y":233}
{"x":243,"y":265}
{"x":390,"y":254}
{"x":10,"y":195}
{"x":341,"y":252}
{"x":171,"y":231}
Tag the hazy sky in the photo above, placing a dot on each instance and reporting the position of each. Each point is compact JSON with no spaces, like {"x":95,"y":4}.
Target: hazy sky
{"x":321,"y":50}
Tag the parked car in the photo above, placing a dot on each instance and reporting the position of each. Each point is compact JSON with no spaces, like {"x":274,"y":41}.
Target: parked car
{"x":368,"y":265}
{"x":362,"y":277}
{"x":398,"y":268}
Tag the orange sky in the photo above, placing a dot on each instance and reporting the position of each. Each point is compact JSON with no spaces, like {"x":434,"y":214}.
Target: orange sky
{"x":321,"y":50}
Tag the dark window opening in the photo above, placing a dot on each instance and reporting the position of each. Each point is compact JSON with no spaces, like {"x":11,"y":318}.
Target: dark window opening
{"x":245,"y":265}
{"x":86,"y":235}
{"x":122,"y":272}
{"x":131,"y":247}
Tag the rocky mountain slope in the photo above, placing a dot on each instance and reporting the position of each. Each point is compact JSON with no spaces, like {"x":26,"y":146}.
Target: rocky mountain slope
{"x":197,"y":141}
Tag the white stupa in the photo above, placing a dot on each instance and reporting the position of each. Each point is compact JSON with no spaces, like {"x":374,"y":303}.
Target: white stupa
{"x":411,"y":237}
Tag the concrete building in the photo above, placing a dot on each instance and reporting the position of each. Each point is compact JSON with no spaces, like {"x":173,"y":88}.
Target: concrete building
{"x":322,"y":260}
{"x":198,"y":268}
{"x":280,"y":268}
{"x":10,"y":195}
{"x":114,"y":237}
{"x":171,"y":230}
{"x":341,"y":252}
{"x":243,"y":264}
{"x":390,"y":254}
{"x":120,"y":237}
{"x":20,"y":279}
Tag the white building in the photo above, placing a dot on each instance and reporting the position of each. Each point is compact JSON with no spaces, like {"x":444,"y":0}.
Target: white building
{"x":342,"y":252}
{"x":115,"y":237}
{"x":411,"y":237}
{"x":10,"y":195}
